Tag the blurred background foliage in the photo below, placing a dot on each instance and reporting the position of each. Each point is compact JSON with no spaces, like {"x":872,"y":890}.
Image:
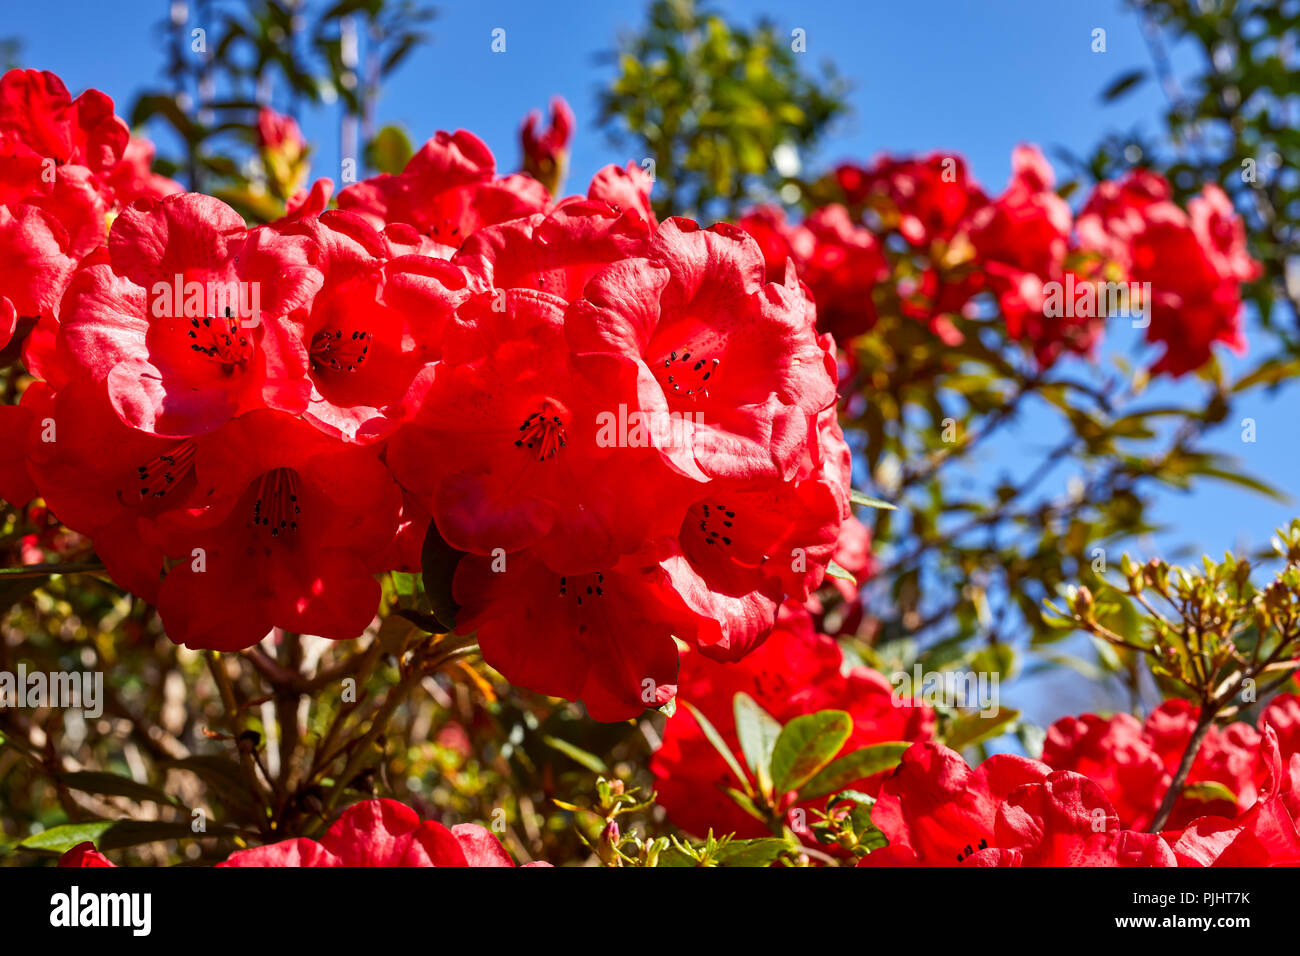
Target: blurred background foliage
{"x":284,"y":51}
{"x":1232,"y":118}
{"x":722,"y":109}
{"x":272,"y":741}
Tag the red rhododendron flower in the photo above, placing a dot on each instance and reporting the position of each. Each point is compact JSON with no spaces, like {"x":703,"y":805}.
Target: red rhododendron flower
{"x":1115,"y":754}
{"x":795,"y":671}
{"x":1066,"y":820}
{"x":290,"y":542}
{"x":539,"y":429}
{"x":38,"y":117}
{"x":1021,"y":240}
{"x":383,"y":833}
{"x":59,"y":153}
{"x":283,"y":152}
{"x":1009,"y":811}
{"x":35,"y":265}
{"x":604,"y":637}
{"x":749,"y":544}
{"x":931,"y":203}
{"x":1222,"y":234}
{"x":372,"y":325}
{"x":84,"y":854}
{"x":841,"y":263}
{"x":626,"y":189}
{"x":1192,"y":306}
{"x":133,"y":177}
{"x":925,"y":199}
{"x":769,"y":228}
{"x":1135,"y":763}
{"x":1228,"y":756}
{"x":731,"y":358}
{"x":447,"y":191}
{"x":118,"y":485}
{"x":1114,"y":213}
{"x":279,"y":131}
{"x":937,"y":811}
{"x":187,"y":323}
{"x":308,"y":202}
{"x":1265,"y":835}
{"x":508,"y":442}
{"x":1193,"y":263}
{"x":1283,"y":715}
{"x":557,"y":253}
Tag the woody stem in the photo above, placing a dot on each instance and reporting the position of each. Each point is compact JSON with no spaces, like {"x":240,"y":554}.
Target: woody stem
{"x":1184,"y":768}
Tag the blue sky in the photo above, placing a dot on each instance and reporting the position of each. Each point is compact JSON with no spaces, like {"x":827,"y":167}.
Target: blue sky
{"x":977,"y":78}
{"x":973,"y":77}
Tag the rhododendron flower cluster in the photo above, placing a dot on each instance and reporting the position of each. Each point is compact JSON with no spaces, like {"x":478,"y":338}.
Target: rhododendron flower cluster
{"x":626,"y":426}
{"x":1134,"y":762}
{"x":1091,"y":800}
{"x":1194,"y":261}
{"x":65,"y":165}
{"x":1008,"y":811}
{"x":1052,"y":274}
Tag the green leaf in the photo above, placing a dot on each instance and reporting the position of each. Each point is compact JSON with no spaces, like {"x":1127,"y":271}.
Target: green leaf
{"x":91,"y":781}
{"x":746,"y":803}
{"x":758,"y":731}
{"x":405,"y":583}
{"x":45,"y":570}
{"x":974,"y":728}
{"x":221,"y":774}
{"x":63,"y":838}
{"x":835,"y":571}
{"x":151,"y":105}
{"x":439,"y":560}
{"x":1245,"y":481}
{"x":389,"y":151}
{"x":1122,"y":84}
{"x":720,"y":745}
{"x":396,"y":630}
{"x":858,"y":498}
{"x":1208,"y":791}
{"x":1269,"y":372}
{"x":133,"y":832}
{"x":808,"y":743}
{"x":588,"y":760}
{"x":407,"y":44}
{"x":760,"y":852}
{"x":674,"y":857}
{"x":996,"y":658}
{"x":853,"y":796}
{"x":869,"y":834}
{"x":838,"y":774}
